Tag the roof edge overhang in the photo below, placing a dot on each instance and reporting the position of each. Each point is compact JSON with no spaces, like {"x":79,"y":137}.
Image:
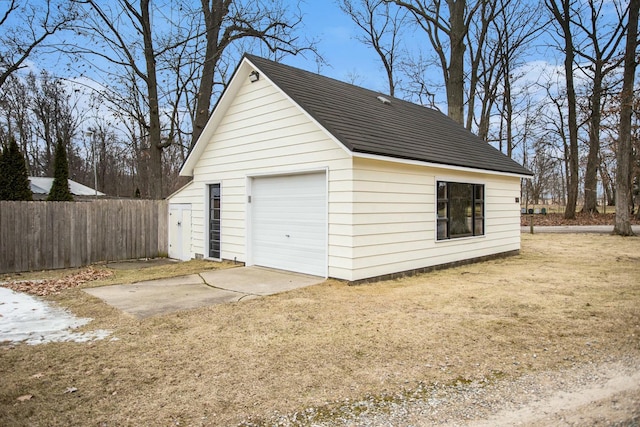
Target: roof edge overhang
{"x":241,"y":73}
{"x":182,"y":187}
{"x":221,"y":106}
{"x":413,"y":162}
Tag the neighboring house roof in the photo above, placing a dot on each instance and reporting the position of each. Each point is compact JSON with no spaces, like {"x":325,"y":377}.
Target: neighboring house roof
{"x":42,"y":185}
{"x":369,"y":125}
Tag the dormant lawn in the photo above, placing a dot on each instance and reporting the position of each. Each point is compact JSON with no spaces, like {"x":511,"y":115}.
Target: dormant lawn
{"x":565,"y":300}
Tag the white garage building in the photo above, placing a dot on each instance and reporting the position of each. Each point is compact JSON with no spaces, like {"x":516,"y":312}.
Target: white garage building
{"x":301,"y":172}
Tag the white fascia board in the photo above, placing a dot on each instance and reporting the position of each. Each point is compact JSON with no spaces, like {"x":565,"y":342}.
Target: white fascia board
{"x":437,"y":165}
{"x":221,"y":107}
{"x":179,"y":190}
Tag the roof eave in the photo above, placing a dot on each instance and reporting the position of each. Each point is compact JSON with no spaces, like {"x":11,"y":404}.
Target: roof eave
{"x":416,"y":162}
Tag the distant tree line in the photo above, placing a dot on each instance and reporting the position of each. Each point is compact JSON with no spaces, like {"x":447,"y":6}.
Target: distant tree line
{"x":564,"y":124}
{"x":151,"y":71}
{"x":140,"y":78}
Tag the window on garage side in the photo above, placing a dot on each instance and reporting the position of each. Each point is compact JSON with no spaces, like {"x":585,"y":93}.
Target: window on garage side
{"x":460,"y":210}
{"x":214,"y":221}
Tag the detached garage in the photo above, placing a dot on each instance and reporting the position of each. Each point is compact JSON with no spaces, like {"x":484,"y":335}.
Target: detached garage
{"x":300,"y":172}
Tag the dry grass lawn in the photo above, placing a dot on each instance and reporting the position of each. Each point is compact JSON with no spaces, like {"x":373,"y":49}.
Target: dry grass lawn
{"x":566,"y":300}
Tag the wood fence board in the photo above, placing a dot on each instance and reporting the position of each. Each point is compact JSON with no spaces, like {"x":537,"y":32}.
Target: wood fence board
{"x":31,"y":219}
{"x":7,"y":236}
{"x":47,"y":235}
{"x":3,"y":237}
{"x":163,"y":228}
{"x":120,"y":245}
{"x":55,"y":230}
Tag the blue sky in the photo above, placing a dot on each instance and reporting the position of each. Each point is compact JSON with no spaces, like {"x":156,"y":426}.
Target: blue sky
{"x":345,"y":56}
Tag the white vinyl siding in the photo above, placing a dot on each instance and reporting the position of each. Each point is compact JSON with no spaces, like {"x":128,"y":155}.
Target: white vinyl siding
{"x":263,"y":133}
{"x":394,"y":218}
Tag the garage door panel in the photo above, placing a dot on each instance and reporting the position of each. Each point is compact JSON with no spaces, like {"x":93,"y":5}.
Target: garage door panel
{"x":289,"y":223}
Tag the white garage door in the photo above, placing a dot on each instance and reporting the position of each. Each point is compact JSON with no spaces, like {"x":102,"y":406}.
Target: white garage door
{"x":289,"y":223}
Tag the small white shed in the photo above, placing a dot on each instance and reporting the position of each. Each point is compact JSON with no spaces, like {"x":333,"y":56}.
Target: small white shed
{"x":301,"y":172}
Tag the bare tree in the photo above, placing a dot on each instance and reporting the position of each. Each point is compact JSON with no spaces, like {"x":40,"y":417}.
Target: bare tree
{"x":512,"y":29}
{"x":226,"y":22}
{"x":25,"y":26}
{"x":603,"y":57}
{"x":381,"y":26}
{"x":159,"y":63}
{"x":623,"y":175}
{"x":123,"y":36}
{"x":418,"y":86}
{"x":561,"y":12}
{"x":54,"y":119}
{"x":15,"y":102}
{"x":447,"y":30}
{"x":553,"y":114}
{"x":476,"y":37}
{"x":543,"y":165}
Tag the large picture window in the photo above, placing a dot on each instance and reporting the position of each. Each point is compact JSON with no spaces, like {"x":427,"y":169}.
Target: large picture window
{"x":460,"y":210}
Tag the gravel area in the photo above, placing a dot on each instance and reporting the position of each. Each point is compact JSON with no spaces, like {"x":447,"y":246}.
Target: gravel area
{"x":603,"y":394}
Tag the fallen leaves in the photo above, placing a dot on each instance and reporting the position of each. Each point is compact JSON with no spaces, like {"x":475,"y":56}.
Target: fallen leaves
{"x":52,"y":287}
{"x":25,"y":397}
{"x":70,"y":390}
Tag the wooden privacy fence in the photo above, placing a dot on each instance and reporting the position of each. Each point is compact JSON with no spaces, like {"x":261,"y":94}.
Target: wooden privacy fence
{"x":47,"y":235}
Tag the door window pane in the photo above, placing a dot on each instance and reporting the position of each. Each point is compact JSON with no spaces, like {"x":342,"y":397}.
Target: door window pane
{"x":214,"y":220}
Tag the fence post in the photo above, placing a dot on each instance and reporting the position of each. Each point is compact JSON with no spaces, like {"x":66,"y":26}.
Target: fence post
{"x":531,"y":224}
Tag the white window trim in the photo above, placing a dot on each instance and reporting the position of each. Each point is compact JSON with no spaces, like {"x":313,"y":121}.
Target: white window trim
{"x":457,"y":180}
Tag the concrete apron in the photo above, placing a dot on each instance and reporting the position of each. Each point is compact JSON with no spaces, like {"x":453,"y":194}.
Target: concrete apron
{"x":162,"y":296}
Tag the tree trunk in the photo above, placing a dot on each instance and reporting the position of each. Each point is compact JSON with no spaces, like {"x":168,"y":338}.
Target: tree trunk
{"x":563,"y":19}
{"x":572,"y":190}
{"x":508,"y":109}
{"x":155,"y":141}
{"x":213,"y":21}
{"x":591,"y":173}
{"x":623,"y":156}
{"x":455,"y":82}
{"x":608,"y":185}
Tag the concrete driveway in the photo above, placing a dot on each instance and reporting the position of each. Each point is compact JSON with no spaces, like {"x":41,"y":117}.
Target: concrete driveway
{"x":161,"y":296}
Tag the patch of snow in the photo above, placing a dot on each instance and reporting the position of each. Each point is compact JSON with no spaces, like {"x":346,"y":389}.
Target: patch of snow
{"x":25,"y":318}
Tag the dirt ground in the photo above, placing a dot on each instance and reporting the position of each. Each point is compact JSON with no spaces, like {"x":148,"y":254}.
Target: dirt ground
{"x":509,"y":334}
{"x":616,"y":402}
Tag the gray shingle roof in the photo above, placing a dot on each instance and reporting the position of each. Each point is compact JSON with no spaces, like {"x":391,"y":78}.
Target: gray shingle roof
{"x":399,"y":129}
